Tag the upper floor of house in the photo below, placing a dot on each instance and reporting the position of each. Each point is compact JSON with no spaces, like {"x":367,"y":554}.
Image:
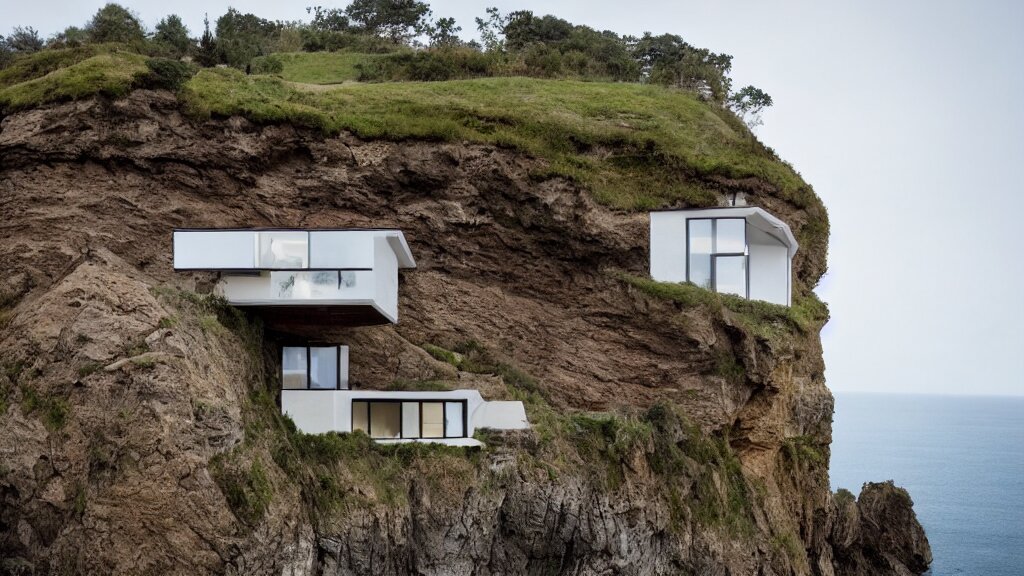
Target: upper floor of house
{"x":343,"y":277}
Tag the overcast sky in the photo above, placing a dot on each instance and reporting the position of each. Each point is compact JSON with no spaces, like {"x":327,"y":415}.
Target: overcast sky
{"x":906,"y":118}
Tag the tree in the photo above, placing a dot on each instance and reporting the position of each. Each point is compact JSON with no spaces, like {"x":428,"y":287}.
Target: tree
{"x":328,"y":19}
{"x":71,"y":37}
{"x":115,"y":23}
{"x":396,"y":20}
{"x":207,"y":53}
{"x":668,"y":59}
{"x":24,"y":40}
{"x":444,"y":33}
{"x":492,"y":30}
{"x":748,"y":104}
{"x":242,"y":37}
{"x":172,"y":34}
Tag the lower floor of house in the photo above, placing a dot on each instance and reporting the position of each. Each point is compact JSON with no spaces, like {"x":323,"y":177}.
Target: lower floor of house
{"x":449,"y":417}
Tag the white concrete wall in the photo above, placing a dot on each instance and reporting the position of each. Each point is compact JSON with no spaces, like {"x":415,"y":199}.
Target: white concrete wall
{"x":769,"y":268}
{"x":668,"y":246}
{"x":319,"y":411}
{"x":385,"y":269}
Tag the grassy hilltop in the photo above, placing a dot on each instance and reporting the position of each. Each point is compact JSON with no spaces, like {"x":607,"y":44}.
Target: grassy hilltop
{"x":635,"y":146}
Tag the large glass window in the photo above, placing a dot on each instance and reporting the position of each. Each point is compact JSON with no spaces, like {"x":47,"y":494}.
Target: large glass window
{"x":717,"y":254}
{"x":293,"y":368}
{"x":730,"y":236}
{"x":731,"y":275}
{"x":283,"y":250}
{"x":323,"y":367}
{"x":314,"y":367}
{"x":453,"y":419}
{"x":700,"y":246}
{"x":385,"y":419}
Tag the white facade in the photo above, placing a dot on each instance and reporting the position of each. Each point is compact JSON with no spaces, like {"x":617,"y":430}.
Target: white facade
{"x":739,"y":250}
{"x":319,"y":411}
{"x":300,"y":267}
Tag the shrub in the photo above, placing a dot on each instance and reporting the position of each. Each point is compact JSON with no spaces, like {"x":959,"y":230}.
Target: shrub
{"x":168,"y":74}
{"x":267,"y":65}
{"x":428,"y":65}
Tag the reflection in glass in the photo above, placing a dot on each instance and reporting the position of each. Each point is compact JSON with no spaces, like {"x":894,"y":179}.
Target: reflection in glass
{"x":323,"y":367}
{"x":410,"y":419}
{"x":731,"y":275}
{"x":384,"y":419}
{"x":343,"y":367}
{"x":730,"y":236}
{"x":293,"y":368}
{"x":699,"y":257}
{"x":453,"y":420}
{"x":283,"y":250}
{"x":433,"y":419}
{"x":359,"y":416}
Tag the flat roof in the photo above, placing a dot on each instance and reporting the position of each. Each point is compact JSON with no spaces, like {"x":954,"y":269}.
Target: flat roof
{"x":395,"y":237}
{"x":766,"y":221}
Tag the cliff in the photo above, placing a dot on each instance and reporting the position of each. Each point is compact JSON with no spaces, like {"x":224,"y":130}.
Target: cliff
{"x":675,"y":431}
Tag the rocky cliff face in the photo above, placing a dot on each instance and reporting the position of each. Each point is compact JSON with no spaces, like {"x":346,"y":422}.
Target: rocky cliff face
{"x":138,"y":430}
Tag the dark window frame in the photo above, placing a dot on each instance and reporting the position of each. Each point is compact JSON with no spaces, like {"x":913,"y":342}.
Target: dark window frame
{"x":309,"y":364}
{"x":715,"y":254}
{"x":401,"y":421}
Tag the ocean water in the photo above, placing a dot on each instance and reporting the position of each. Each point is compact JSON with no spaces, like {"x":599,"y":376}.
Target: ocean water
{"x":961,"y":458}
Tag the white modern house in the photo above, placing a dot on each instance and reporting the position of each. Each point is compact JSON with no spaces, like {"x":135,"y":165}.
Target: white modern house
{"x":335,"y":278}
{"x":740,"y":250}
{"x":346,"y":276}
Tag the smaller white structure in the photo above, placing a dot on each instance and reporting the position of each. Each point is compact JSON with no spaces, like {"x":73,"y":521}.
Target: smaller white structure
{"x":737,"y":250}
{"x":444,"y":417}
{"x":317,"y":396}
{"x":340,"y":276}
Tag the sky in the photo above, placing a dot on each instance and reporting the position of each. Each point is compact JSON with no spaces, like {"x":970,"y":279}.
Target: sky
{"x":903,"y":115}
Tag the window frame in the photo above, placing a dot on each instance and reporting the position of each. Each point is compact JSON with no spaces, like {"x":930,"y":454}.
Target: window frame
{"x":715,"y":254}
{"x":401,"y":409}
{"x":309,"y":365}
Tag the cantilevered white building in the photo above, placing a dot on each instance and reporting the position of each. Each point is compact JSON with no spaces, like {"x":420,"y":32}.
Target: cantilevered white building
{"x":300,"y":281}
{"x":740,"y":250}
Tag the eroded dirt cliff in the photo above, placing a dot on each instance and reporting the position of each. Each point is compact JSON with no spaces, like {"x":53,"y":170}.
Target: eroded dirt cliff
{"x":138,"y":432}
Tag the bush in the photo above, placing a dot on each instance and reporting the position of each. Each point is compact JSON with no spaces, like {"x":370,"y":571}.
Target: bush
{"x":168,"y":74}
{"x":267,"y":65}
{"x":428,"y":66}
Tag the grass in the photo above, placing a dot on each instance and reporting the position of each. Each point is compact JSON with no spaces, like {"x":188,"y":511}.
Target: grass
{"x":247,"y":488}
{"x":803,"y":449}
{"x":807,"y":314}
{"x":322,"y":67}
{"x":112,"y":74}
{"x":418,"y":386}
{"x":443,"y":355}
{"x":89,"y":368}
{"x":53,"y":410}
{"x":635,"y":146}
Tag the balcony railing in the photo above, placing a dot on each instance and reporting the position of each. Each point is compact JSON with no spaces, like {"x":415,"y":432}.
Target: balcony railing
{"x":280,"y":249}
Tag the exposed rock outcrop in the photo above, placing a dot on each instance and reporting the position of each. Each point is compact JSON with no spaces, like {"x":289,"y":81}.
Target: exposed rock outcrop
{"x":136,"y":419}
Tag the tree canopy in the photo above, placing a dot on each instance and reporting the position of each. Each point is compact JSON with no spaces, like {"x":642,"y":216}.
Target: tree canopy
{"x":115,"y":23}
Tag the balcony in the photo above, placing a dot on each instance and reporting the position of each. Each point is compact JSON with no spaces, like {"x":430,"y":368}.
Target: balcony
{"x":299,"y":278}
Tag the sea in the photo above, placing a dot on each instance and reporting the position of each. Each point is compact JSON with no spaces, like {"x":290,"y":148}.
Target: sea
{"x":961,"y":458}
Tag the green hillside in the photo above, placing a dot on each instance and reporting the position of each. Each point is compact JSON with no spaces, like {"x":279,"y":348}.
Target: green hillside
{"x":321,"y":67}
{"x":634,"y":146}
